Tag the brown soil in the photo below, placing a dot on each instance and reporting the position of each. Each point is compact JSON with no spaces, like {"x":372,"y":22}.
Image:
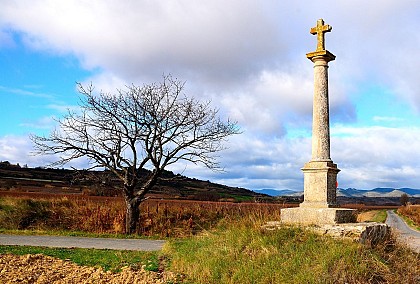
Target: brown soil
{"x":366,"y":215}
{"x":44,"y":269}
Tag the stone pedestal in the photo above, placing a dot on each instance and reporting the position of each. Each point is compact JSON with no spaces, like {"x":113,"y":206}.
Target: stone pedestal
{"x":320,"y":180}
{"x":317,"y":216}
{"x":365,"y":233}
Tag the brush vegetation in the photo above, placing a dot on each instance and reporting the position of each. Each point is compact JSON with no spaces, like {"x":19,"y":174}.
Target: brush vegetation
{"x":242,"y":252}
{"x":106,"y":215}
{"x":412,"y":214}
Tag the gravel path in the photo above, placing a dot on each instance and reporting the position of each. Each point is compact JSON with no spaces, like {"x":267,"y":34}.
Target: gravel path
{"x":82,"y":242}
{"x":409,"y":236}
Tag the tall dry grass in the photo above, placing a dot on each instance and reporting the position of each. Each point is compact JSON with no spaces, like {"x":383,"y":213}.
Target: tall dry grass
{"x":63,"y":213}
{"x":412,"y":212}
{"x":161,"y":218}
{"x":242,"y":252}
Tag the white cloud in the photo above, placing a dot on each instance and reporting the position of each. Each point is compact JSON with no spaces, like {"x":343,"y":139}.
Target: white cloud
{"x":106,"y":82}
{"x":19,"y":149}
{"x":143,"y":38}
{"x":368,"y":157}
{"x":387,"y":119}
{"x":47,"y":122}
{"x":16,"y":149}
{"x":63,"y":109}
{"x":380,"y":156}
{"x":248,"y":57}
{"x":6,"y":39}
{"x":23,"y":92}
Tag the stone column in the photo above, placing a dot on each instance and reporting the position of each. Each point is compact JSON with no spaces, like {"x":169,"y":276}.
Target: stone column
{"x":320,"y":173}
{"x":320,"y":125}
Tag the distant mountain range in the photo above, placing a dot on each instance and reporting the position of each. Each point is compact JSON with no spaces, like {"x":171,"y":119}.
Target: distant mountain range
{"x":279,"y":192}
{"x":351,"y":192}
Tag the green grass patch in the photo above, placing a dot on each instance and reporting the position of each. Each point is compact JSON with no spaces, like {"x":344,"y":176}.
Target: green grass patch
{"x":248,"y":254}
{"x":112,"y":260}
{"x":380,"y":216}
{"x":237,"y":198}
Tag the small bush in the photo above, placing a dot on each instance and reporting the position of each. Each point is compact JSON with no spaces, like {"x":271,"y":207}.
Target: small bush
{"x":23,"y":213}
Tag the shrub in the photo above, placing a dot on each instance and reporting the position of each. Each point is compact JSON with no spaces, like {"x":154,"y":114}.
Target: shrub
{"x":23,"y":213}
{"x":412,"y":212}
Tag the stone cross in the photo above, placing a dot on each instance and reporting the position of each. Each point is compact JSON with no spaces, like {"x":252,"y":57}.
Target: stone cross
{"x":321,"y":119}
{"x":320,"y":30}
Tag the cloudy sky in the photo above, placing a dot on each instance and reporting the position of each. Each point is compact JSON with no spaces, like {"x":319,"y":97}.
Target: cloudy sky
{"x":248,"y":58}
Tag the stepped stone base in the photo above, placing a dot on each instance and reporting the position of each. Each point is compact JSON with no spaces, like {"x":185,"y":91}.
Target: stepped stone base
{"x":318,"y":216}
{"x":366,"y":233}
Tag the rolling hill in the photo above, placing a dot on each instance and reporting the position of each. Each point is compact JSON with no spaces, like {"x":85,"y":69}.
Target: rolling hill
{"x":65,"y":181}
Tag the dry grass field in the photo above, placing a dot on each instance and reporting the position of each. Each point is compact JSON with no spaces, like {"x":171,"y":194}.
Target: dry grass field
{"x":106,"y":215}
{"x":412,"y":212}
{"x":93,"y":214}
{"x":214,"y":242}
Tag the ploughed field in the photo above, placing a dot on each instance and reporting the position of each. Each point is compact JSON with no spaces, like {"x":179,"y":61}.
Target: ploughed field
{"x":45,"y":269}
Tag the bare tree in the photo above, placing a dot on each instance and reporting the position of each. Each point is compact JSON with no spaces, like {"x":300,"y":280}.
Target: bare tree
{"x":148,"y":127}
{"x":404,"y":199}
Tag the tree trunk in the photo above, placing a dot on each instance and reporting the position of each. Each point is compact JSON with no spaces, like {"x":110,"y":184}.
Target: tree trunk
{"x":133,"y":198}
{"x":132,"y":214}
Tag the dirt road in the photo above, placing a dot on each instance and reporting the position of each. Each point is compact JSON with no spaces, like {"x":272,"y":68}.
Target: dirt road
{"x":82,"y":242}
{"x":405,"y":234}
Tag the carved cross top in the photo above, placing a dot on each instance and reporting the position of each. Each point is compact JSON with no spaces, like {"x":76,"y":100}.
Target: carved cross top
{"x":320,"y":30}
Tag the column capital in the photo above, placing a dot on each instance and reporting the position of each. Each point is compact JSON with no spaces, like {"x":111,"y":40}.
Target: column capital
{"x":318,"y":55}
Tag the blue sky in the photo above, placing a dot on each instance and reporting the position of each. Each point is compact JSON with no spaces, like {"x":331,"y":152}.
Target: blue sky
{"x":34,"y":86}
{"x":248,"y":57}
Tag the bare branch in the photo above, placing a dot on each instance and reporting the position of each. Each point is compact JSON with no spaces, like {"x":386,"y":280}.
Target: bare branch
{"x":152,"y":126}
